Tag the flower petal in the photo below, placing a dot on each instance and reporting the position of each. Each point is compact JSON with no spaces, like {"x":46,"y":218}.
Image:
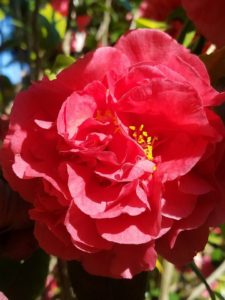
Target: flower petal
{"x":82,"y":229}
{"x":93,"y":66}
{"x":123,"y":261}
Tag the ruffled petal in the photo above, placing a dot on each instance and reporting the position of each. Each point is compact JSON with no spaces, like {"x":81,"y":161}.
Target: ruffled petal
{"x":53,"y":245}
{"x":182,"y":253}
{"x":93,"y":66}
{"x":121,"y":261}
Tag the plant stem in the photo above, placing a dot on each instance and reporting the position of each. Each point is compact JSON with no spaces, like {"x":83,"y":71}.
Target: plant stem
{"x":69,"y":15}
{"x":64,"y":281}
{"x":196,"y":270}
{"x":103,"y":31}
{"x":168,"y":269}
{"x":35,"y":32}
{"x":214,"y":276}
{"x":68,"y":34}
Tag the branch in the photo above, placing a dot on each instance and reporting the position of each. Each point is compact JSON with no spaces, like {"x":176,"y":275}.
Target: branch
{"x":168,"y":269}
{"x":64,"y":281}
{"x":103,"y":31}
{"x":35,"y":32}
{"x":206,"y":282}
{"x":69,"y":15}
{"x":68,"y":34}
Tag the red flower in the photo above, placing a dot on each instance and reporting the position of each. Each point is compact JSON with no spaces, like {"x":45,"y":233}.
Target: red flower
{"x":202,"y":192}
{"x":61,"y":6}
{"x":16,"y":237}
{"x":158,"y":9}
{"x":83,"y":21}
{"x":107,"y":154}
{"x":208,"y":16}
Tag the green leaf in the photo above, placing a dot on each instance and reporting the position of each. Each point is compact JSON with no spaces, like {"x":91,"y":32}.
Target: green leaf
{"x":4,"y":2}
{"x":125,"y":3}
{"x":188,"y":38}
{"x":173,"y":296}
{"x":24,"y":280}
{"x":2,"y":15}
{"x":217,"y":255}
{"x":54,"y":18}
{"x":187,"y":27}
{"x":155,"y":292}
{"x":147,"y":23}
{"x":49,"y":36}
{"x":62,"y":61}
{"x":215,"y":239}
{"x":219,"y":296}
{"x":49,"y":74}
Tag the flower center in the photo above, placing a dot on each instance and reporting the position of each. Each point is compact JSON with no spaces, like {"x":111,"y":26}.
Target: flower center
{"x":142,"y":137}
{"x":104,"y":116}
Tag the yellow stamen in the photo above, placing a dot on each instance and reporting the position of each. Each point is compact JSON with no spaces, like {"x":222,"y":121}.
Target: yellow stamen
{"x":140,"y":139}
{"x":144,"y":140}
{"x":145,"y":133}
{"x":141,"y":127}
{"x":148,"y":152}
{"x":149,"y":139}
{"x":132,"y":128}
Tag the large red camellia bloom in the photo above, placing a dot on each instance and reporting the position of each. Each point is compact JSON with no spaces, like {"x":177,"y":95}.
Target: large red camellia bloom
{"x":112,"y":155}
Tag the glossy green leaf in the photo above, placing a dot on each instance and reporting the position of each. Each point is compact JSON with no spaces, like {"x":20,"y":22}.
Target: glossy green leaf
{"x":147,"y":23}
